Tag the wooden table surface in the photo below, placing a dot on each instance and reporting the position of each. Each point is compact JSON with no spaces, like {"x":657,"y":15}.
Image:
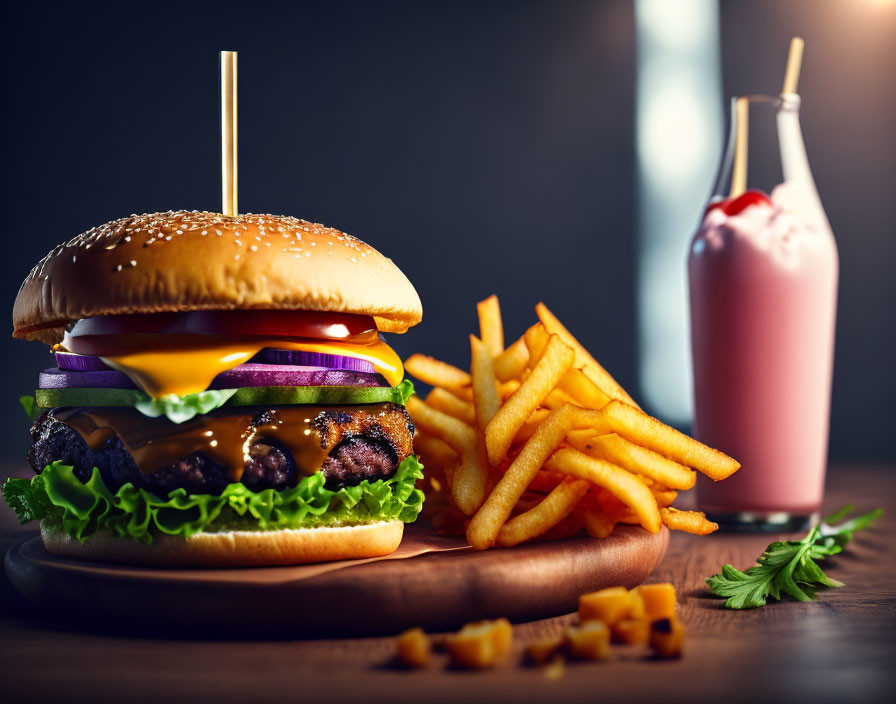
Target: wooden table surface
{"x":839,"y":648}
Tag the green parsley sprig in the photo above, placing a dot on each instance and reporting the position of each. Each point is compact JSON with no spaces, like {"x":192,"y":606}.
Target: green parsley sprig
{"x":789,"y":567}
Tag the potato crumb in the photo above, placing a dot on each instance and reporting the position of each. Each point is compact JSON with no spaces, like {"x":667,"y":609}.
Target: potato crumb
{"x":413,"y":648}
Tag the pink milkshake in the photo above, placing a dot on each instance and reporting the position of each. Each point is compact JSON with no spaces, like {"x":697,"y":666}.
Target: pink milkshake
{"x":763,"y":294}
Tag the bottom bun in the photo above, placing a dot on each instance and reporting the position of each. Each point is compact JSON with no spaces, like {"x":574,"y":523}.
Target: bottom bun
{"x":239,"y":548}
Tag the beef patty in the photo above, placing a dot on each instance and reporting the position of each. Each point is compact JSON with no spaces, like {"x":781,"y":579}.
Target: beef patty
{"x":348,"y":446}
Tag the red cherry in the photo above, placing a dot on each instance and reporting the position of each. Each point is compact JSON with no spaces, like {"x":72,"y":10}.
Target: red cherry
{"x":716,"y":204}
{"x":745,"y":200}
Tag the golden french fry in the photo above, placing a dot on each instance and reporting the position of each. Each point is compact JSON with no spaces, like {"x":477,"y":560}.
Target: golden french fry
{"x":558,"y":398}
{"x":590,"y":420}
{"x":485,"y":389}
{"x":512,"y":361}
{"x":581,"y":439}
{"x":499,"y":433}
{"x":549,"y":512}
{"x":434,"y":452}
{"x":545,"y":481}
{"x":536,"y":339}
{"x":641,"y":429}
{"x":484,"y":527}
{"x":435,"y":372}
{"x":619,"y":451}
{"x":624,"y":485}
{"x":689,"y":521}
{"x":531,"y":425}
{"x":582,"y":390}
{"x":446,"y":402}
{"x":664,"y":498}
{"x":598,"y":525}
{"x":491,"y":329}
{"x":464,"y":393}
{"x":469,"y":480}
{"x":584,"y":360}
{"x":506,"y":389}
{"x":459,"y":436}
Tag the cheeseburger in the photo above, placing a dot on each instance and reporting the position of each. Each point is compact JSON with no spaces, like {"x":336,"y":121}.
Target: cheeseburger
{"x":220,"y":395}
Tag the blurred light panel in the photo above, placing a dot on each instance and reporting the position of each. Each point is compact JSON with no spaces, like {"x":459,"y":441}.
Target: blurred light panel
{"x":679,"y":140}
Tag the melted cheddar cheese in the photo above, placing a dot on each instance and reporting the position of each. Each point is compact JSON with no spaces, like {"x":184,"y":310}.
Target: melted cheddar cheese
{"x":188,"y":364}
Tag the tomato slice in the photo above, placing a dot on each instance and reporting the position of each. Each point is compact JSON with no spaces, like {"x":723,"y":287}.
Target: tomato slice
{"x":276,"y":323}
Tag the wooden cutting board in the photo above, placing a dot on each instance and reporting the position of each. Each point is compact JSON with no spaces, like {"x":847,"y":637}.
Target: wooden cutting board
{"x":438,"y":590}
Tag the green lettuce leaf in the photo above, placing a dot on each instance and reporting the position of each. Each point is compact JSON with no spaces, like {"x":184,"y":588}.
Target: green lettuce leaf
{"x":179,"y":409}
{"x":58,"y":497}
{"x":30,"y":405}
{"x":402,"y":392}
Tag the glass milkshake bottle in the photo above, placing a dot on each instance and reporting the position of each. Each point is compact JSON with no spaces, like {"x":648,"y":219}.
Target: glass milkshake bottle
{"x":763,"y":272}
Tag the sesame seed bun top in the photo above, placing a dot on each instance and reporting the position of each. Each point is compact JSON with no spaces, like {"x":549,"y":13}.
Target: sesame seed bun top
{"x":189,"y":260}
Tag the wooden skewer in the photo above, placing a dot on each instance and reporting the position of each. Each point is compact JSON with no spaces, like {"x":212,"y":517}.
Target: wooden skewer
{"x":228,"y":134}
{"x":742,"y":129}
{"x":794,"y":63}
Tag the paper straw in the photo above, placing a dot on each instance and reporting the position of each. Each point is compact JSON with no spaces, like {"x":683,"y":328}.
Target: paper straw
{"x":228,"y":134}
{"x":794,"y":62}
{"x":742,"y":128}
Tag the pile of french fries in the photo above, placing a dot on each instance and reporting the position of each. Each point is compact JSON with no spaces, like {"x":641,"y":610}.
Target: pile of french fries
{"x":538,"y":439}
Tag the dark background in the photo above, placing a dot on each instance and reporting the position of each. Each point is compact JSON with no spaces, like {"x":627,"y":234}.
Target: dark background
{"x":484,"y":146}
